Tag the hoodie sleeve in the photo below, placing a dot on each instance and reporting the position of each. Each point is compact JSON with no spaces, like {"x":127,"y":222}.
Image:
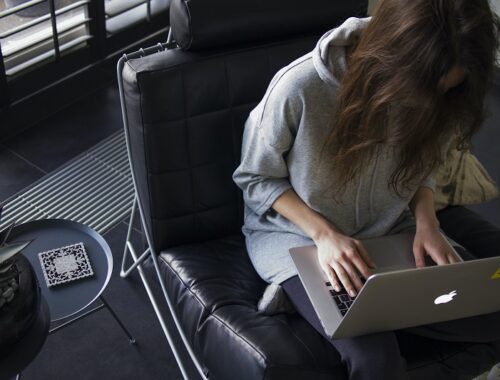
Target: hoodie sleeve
{"x":268,"y":136}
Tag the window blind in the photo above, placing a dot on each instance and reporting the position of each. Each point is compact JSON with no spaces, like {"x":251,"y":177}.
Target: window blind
{"x":40,"y":30}
{"x":122,"y":14}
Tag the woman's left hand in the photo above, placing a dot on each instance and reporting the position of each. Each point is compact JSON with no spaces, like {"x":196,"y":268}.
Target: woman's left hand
{"x":430,"y":241}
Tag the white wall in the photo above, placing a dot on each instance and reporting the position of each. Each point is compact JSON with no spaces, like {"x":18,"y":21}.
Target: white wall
{"x":496,"y":5}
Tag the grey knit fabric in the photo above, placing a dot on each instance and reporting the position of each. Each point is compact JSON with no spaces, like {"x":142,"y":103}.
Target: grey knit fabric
{"x":280,"y":150}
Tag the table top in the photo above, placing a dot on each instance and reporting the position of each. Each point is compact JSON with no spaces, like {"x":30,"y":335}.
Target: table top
{"x":67,"y":299}
{"x":26,"y":349}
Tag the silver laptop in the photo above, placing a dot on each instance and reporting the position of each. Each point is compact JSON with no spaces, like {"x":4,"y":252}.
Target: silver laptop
{"x":398,"y":295}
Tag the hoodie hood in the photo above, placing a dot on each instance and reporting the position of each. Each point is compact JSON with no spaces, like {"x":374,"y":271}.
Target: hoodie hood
{"x":329,"y":55}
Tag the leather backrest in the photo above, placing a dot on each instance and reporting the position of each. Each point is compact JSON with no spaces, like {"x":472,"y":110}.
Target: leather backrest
{"x":186,"y":113}
{"x":202,"y":24}
{"x":186,"y":109}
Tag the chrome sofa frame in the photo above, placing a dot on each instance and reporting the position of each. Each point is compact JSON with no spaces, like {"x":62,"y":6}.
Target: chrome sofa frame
{"x":149,"y":252}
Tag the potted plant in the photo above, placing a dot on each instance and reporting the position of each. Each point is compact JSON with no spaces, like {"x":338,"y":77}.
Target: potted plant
{"x":19,"y":291}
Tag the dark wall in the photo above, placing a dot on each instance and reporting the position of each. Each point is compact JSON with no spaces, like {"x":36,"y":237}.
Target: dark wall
{"x":487,"y":149}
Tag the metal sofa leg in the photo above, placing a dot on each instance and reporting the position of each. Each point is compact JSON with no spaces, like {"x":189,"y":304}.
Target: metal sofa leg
{"x":137,"y":261}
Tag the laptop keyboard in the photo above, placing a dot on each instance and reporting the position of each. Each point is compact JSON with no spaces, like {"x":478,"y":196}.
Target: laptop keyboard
{"x":342,"y":298}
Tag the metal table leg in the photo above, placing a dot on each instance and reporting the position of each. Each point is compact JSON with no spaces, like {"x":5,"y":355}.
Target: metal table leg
{"x":104,"y":304}
{"x":130,"y":337}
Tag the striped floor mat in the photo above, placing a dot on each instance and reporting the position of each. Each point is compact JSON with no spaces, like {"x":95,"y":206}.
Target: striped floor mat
{"x":95,"y":189}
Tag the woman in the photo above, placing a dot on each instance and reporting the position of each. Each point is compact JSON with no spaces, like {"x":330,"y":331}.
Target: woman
{"x":343,"y":146}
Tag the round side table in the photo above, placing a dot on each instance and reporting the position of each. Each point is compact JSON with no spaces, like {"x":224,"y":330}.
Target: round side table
{"x":74,"y":297}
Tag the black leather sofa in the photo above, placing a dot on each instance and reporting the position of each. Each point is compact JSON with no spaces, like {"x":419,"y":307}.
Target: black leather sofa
{"x":184,"y":113}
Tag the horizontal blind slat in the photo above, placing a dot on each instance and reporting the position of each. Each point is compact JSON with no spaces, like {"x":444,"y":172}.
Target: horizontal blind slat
{"x":39,"y":20}
{"x":20,"y":7}
{"x":39,"y":58}
{"x":117,"y":7}
{"x":48,"y":36}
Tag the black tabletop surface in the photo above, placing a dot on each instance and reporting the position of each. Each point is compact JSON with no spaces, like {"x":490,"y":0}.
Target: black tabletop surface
{"x":66,"y":299}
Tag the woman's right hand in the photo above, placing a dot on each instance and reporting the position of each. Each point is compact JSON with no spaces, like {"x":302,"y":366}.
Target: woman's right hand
{"x":343,"y":259}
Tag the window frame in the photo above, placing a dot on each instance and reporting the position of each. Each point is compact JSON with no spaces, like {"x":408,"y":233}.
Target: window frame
{"x":101,"y":47}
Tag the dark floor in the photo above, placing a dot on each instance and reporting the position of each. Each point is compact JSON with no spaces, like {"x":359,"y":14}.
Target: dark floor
{"x":46,"y":146}
{"x":95,"y":347}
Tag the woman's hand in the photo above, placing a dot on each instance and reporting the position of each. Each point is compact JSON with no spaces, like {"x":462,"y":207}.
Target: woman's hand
{"x":430,"y":241}
{"x":343,"y":259}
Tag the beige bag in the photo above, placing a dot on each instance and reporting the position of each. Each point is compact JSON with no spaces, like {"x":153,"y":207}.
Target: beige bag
{"x":462,"y":180}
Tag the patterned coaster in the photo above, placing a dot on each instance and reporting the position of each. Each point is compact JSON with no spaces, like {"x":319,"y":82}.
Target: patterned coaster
{"x":65,"y":264}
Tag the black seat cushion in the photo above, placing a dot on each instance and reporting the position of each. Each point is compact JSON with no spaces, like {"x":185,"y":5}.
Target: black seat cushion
{"x":215,"y":291}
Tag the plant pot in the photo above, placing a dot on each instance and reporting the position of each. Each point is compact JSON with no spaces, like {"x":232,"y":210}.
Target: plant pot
{"x":17,"y":316}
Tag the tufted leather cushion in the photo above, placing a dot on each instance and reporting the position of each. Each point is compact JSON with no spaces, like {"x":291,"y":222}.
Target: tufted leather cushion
{"x":243,"y":21}
{"x":186,"y":113}
{"x":216,"y":290}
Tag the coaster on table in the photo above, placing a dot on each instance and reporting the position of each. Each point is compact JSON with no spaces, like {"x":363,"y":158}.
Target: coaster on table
{"x":65,"y":264}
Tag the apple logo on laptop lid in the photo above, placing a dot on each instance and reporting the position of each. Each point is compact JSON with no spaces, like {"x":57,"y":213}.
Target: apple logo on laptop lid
{"x":445,"y":298}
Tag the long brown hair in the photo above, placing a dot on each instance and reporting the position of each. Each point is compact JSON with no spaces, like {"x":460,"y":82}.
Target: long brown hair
{"x":391,"y":93}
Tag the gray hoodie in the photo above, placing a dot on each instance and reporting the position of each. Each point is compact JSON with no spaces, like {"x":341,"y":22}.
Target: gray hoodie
{"x":280,"y":151}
